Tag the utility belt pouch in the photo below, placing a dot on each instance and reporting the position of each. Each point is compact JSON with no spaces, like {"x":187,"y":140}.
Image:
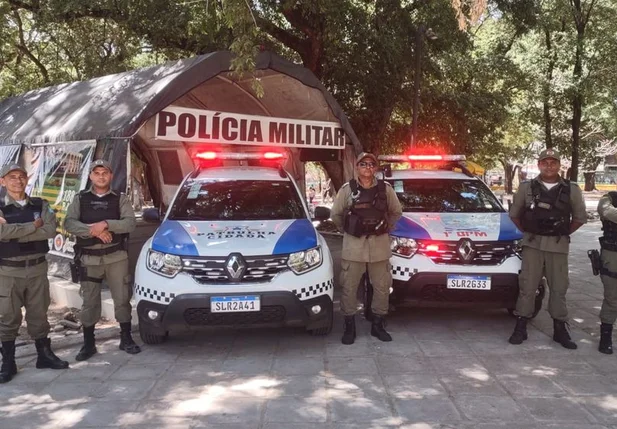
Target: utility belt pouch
{"x":353,"y":225}
{"x":75,"y":272}
{"x":596,"y":262}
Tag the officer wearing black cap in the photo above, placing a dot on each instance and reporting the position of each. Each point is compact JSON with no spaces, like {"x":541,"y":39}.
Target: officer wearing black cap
{"x":547,"y":209}
{"x":25,"y":226}
{"x":101,"y":220}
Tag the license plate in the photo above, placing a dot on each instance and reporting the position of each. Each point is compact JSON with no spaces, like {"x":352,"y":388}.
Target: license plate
{"x":456,"y":281}
{"x":233,"y":304}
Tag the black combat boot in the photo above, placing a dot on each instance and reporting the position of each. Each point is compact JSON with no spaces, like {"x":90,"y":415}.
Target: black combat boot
{"x":520,"y":331}
{"x":8,"y":368}
{"x":378,"y":328}
{"x":606,"y":339}
{"x":89,"y":348}
{"x":561,"y":334}
{"x":46,"y":357}
{"x":126,"y":340}
{"x":349,"y":335}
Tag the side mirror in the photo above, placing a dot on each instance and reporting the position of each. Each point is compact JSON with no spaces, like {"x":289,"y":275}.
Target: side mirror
{"x":322,"y":213}
{"x":151,"y":215}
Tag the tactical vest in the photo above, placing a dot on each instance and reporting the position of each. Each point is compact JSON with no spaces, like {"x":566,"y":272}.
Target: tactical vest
{"x":609,"y":229}
{"x":95,"y":209}
{"x":13,"y":214}
{"x":550,"y":212}
{"x":367,"y":214}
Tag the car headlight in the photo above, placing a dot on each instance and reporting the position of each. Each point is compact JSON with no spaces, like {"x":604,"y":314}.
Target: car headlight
{"x":405,"y":247}
{"x":307,"y":260}
{"x":163,"y":263}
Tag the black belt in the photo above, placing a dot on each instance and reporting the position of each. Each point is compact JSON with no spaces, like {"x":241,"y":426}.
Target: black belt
{"x":102,"y":252}
{"x":22,"y":264}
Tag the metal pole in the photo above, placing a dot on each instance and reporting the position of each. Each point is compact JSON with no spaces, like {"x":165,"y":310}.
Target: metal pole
{"x":416,"y":85}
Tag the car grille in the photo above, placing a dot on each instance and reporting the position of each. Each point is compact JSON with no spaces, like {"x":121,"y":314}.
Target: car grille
{"x":440,"y":293}
{"x":212,"y":270}
{"x":486,"y":253}
{"x":203,"y":316}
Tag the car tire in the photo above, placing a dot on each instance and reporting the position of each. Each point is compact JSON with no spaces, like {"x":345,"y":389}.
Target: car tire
{"x":324,"y":330}
{"x":149,"y":337}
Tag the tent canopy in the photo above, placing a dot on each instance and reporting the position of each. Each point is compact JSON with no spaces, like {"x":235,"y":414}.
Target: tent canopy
{"x":116,"y":106}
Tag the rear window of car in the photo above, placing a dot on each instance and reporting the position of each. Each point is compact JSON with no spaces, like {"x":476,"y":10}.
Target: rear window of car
{"x":237,"y":200}
{"x":445,"y":195}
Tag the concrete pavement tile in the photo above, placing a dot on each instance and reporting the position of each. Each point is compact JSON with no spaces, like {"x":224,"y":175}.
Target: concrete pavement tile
{"x":188,"y":370}
{"x":80,"y":390}
{"x":587,"y":384}
{"x":28,"y":416}
{"x":407,"y":347}
{"x":603,"y":408}
{"x":224,"y":410}
{"x":355,"y":385}
{"x":96,"y":413}
{"x":414,"y":386}
{"x":295,"y":409}
{"x":503,"y":348}
{"x":300,"y":366}
{"x":536,"y":426}
{"x":538,"y":364}
{"x":554,"y":410}
{"x":472,"y":383}
{"x":249,"y":365}
{"x":276,"y":425}
{"x":141,"y":372}
{"x":427,"y":410}
{"x":402,"y":364}
{"x":86,"y":371}
{"x":351,"y":365}
{"x":432,"y":332}
{"x":530,"y":385}
{"x":445,"y":348}
{"x":204,"y":425}
{"x":604,"y":364}
{"x":360,"y":409}
{"x":483,"y":408}
{"x":298,"y":385}
{"x":118,"y":390}
{"x":30,"y":375}
{"x":174,"y":389}
{"x":456,"y":365}
{"x":360,"y":348}
{"x":154,"y":354}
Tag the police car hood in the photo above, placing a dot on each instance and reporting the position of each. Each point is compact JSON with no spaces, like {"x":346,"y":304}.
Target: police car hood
{"x":454,"y":226}
{"x":220,"y":238}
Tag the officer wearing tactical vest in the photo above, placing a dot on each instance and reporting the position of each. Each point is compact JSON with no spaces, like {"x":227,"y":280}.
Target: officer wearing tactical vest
{"x":366,"y":210}
{"x":25,"y":226}
{"x":547,"y":209}
{"x":607,"y":208}
{"x":101,"y":220}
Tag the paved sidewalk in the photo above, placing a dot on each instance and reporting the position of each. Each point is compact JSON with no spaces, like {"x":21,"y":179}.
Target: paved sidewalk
{"x":446,"y":368}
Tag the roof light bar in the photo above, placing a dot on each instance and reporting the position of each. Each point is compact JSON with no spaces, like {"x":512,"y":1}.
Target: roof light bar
{"x":268,"y":156}
{"x":425,"y":158}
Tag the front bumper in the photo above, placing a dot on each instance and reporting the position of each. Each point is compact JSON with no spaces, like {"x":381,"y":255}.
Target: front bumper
{"x":190,"y":311}
{"x":431,"y":287}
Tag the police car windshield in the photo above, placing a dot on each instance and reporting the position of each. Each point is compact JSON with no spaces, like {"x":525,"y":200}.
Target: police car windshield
{"x":237,"y":200}
{"x":445,"y":195}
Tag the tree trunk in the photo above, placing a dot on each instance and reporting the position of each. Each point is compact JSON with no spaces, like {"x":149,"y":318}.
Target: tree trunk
{"x":509,"y":170}
{"x":334,"y":169}
{"x":546,"y":91}
{"x":590,"y":180}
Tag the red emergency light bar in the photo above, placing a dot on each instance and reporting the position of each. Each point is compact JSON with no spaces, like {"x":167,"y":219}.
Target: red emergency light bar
{"x":265,"y":156}
{"x":421,"y":158}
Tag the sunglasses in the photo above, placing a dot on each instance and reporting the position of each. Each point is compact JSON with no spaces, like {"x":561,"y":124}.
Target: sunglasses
{"x":367,"y":164}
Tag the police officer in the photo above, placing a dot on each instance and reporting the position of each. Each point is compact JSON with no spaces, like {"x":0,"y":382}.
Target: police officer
{"x":547,"y":209}
{"x":25,"y":225}
{"x":366,"y":210}
{"x":607,"y":208}
{"x":101,"y":220}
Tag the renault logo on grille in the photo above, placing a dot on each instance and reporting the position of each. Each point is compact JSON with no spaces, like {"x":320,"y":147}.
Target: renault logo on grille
{"x":465,"y":250}
{"x":235,"y":266}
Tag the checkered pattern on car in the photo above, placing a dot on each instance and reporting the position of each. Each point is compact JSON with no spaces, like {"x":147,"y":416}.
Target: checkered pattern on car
{"x":154,"y":295}
{"x":311,"y":291}
{"x":401,"y":271}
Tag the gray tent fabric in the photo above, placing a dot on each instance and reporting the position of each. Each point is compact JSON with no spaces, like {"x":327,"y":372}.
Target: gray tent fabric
{"x":115,"y":106}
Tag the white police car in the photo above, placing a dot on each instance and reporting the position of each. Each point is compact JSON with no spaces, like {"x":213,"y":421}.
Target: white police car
{"x":236,"y":247}
{"x":455,"y":242}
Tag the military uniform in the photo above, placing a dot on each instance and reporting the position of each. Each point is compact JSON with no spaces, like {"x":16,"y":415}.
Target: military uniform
{"x":102,"y":261}
{"x":23,"y":277}
{"x":546,"y":216}
{"x":607,"y":208}
{"x":368,"y":252}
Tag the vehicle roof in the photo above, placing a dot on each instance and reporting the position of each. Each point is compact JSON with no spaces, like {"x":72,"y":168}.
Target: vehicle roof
{"x":428,"y":174}
{"x":240,"y":173}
